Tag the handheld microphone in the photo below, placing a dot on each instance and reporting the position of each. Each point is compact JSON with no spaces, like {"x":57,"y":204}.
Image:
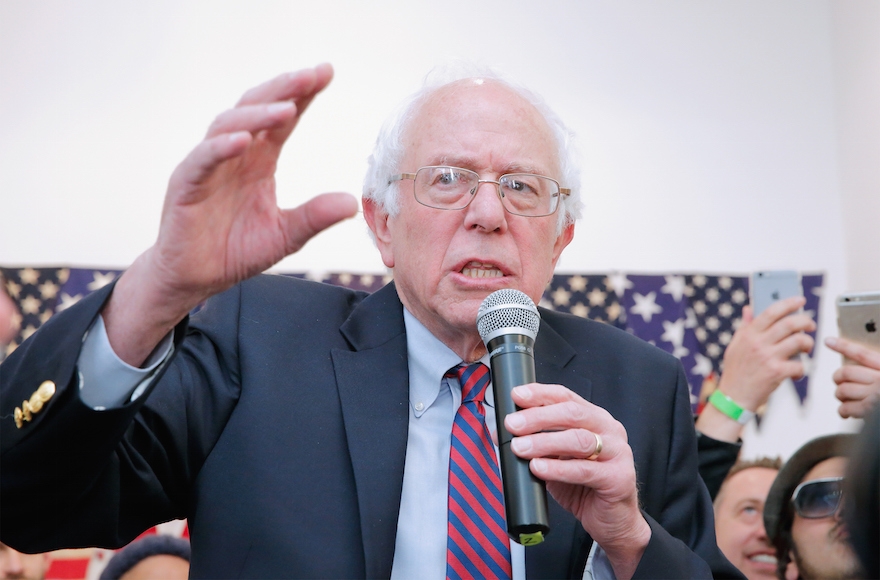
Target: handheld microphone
{"x":508,"y":323}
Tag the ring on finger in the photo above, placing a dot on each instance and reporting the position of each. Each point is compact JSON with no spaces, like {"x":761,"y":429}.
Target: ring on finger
{"x":598,"y":450}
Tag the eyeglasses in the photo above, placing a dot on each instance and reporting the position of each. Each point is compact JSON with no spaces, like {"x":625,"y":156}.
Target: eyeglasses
{"x":524,"y":194}
{"x":818,"y":498}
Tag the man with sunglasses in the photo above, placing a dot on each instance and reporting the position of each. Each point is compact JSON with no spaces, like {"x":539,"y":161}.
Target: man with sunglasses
{"x":804,"y":512}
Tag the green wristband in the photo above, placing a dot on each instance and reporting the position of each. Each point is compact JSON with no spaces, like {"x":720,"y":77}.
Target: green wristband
{"x":730,"y":407}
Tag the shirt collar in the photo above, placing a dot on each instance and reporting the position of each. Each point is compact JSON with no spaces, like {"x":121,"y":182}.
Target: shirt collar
{"x":429,"y":359}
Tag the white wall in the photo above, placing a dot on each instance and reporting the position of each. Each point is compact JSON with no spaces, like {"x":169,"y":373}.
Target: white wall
{"x":709,"y":131}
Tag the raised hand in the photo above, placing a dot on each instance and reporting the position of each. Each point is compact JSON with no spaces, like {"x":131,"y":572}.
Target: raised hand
{"x":220,"y":221}
{"x":557,"y":430}
{"x":858,"y":380}
{"x":760,"y":356}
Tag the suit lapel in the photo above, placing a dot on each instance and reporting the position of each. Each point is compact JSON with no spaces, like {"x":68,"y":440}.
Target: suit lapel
{"x":373,"y":381}
{"x":555,"y":361}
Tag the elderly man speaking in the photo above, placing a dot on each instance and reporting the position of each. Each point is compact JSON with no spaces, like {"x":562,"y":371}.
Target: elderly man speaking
{"x":311,"y":431}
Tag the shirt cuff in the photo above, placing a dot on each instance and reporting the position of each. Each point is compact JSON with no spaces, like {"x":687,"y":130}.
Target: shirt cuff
{"x":105,"y":380}
{"x":598,"y":565}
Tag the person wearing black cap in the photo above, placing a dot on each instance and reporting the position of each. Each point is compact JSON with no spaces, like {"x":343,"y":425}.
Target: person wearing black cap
{"x":803,"y":515}
{"x":158,"y":556}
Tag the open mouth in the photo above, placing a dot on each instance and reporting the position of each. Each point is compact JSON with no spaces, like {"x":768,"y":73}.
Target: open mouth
{"x":481,"y":270}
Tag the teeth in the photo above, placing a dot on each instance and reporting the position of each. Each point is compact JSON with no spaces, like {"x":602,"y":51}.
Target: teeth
{"x":764,"y":558}
{"x":481,"y":273}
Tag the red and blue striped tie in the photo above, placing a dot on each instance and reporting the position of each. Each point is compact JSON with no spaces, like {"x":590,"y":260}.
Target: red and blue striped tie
{"x":478,"y":546}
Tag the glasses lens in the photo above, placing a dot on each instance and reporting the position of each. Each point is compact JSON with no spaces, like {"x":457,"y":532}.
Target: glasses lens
{"x":818,"y":499}
{"x":445,"y":187}
{"x":527,"y":194}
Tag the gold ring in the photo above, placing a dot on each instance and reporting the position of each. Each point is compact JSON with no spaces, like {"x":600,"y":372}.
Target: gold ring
{"x":598,"y":450}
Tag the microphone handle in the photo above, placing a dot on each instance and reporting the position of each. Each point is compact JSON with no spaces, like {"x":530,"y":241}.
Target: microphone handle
{"x":525,"y":496}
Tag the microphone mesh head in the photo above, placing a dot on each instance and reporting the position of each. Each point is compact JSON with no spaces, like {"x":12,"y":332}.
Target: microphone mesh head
{"x":507,"y":311}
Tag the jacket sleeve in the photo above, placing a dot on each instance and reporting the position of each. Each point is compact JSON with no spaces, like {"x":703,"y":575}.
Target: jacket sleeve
{"x":716,"y":458}
{"x":73,"y":476}
{"x":683,"y":541}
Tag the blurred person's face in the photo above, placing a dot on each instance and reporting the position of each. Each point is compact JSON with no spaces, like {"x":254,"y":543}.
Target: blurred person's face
{"x":163,"y":566}
{"x":821,"y":546}
{"x":9,"y":319}
{"x":26,"y":566}
{"x":739,"y":522}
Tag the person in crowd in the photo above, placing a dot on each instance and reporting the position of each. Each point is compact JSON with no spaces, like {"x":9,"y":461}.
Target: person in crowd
{"x":8,"y":324}
{"x":308,"y":430}
{"x":150,"y":557}
{"x":862,"y":495}
{"x":858,"y":383}
{"x":804,"y":516}
{"x":762,"y":353}
{"x":739,"y":517}
{"x":15,"y":565}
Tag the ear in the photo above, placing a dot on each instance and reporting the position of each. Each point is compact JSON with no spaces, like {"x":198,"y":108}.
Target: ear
{"x":377,"y":221}
{"x":562,"y":241}
{"x":791,"y":570}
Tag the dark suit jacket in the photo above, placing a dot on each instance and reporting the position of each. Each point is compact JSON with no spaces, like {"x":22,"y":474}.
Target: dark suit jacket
{"x":279,"y":430}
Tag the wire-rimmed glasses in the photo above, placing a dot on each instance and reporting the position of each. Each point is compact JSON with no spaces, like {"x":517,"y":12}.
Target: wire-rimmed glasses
{"x":444,"y":187}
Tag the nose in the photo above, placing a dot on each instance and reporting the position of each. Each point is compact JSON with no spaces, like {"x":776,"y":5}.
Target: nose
{"x":486,"y":212}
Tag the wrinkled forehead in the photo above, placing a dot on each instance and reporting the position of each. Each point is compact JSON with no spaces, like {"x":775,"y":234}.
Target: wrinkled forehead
{"x":485,"y":105}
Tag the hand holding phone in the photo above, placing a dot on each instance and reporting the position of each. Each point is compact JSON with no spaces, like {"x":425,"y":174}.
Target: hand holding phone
{"x":858,"y":319}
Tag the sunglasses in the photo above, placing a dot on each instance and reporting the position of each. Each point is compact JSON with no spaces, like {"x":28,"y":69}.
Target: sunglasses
{"x":818,"y":498}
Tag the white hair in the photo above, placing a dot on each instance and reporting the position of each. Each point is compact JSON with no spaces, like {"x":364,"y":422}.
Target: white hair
{"x":388,"y":151}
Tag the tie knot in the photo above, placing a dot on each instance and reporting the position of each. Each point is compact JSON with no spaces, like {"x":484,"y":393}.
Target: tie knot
{"x":473,"y":378}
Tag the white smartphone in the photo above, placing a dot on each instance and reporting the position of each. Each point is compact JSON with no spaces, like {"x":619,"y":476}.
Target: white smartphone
{"x":772,"y":286}
{"x":858,"y":318}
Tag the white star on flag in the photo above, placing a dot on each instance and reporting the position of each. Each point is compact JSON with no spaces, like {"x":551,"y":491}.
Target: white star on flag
{"x":646,"y":306}
{"x":67,"y":301}
{"x":703,"y":366}
{"x":100,"y":280}
{"x":674,"y":287}
{"x":618,"y":282}
{"x":673,"y":332}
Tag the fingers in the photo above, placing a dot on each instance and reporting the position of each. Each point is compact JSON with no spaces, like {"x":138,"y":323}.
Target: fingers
{"x":854,"y":351}
{"x":856,"y":374}
{"x":552,"y":407}
{"x":788,"y":325}
{"x":253,"y":118}
{"x":793,"y":345}
{"x":317,"y":214}
{"x":265,"y":104}
{"x":779,"y":310}
{"x":850,"y":391}
{"x":556,"y":423}
{"x":301,"y":86}
{"x":568,"y":444}
{"x":202,"y":161}
{"x":856,"y":399}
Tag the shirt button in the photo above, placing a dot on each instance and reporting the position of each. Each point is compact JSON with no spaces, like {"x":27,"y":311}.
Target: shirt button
{"x":420,"y":406}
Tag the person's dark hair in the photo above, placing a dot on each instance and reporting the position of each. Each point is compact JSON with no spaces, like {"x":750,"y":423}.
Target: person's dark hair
{"x":861,"y":496}
{"x":131,"y":555}
{"x":779,"y":510}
